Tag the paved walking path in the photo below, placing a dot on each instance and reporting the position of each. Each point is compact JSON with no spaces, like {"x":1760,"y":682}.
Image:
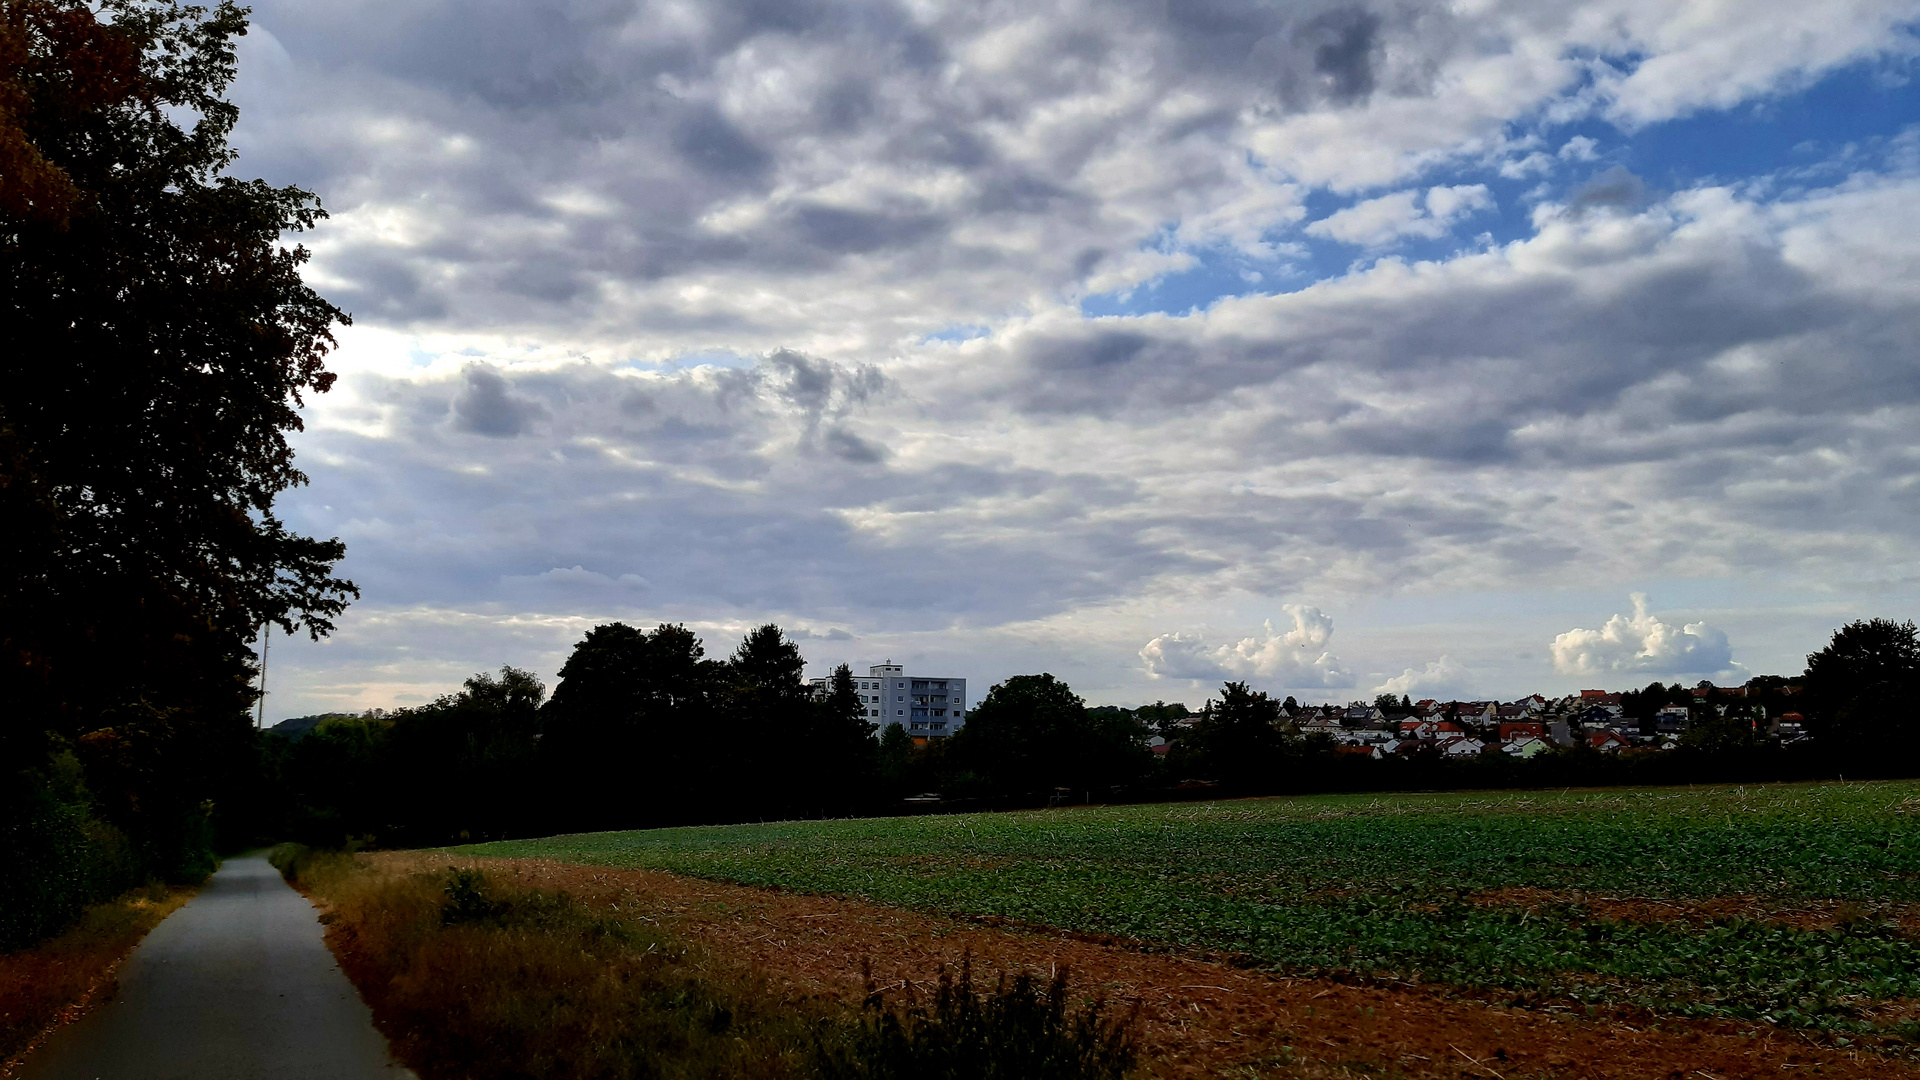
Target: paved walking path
{"x":236,"y":985}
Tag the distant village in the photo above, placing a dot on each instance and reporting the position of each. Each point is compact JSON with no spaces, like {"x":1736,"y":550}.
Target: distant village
{"x":1607,"y":721}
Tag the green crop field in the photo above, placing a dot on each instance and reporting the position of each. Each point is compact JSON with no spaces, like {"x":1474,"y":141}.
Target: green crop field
{"x":1405,"y":886}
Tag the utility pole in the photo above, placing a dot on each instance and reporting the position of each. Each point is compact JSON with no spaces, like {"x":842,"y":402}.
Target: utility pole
{"x":266,"y":643}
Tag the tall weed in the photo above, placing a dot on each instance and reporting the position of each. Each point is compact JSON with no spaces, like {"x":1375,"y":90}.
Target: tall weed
{"x":1019,"y":1031}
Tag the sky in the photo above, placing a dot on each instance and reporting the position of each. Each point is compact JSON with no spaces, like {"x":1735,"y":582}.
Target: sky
{"x":1468,"y":349}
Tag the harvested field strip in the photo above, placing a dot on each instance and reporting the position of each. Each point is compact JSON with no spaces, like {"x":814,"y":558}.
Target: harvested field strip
{"x":1198,"y":1018}
{"x":1395,"y":885}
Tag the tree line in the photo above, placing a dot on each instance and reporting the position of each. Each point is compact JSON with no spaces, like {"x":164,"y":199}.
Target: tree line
{"x":643,"y":729}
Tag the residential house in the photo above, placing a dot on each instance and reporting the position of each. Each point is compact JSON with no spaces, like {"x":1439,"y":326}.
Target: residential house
{"x":1526,"y":746}
{"x":1607,"y":741}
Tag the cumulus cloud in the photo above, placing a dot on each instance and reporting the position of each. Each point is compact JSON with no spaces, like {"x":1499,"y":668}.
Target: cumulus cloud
{"x":1381,"y":221}
{"x":1579,"y":148}
{"x":1439,"y":678}
{"x":1294,"y":658}
{"x":1642,"y":643}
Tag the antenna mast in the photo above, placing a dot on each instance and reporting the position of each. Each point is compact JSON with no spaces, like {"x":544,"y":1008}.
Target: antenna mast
{"x":266,"y":643}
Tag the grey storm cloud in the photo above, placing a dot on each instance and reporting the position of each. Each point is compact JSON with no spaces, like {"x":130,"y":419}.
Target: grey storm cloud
{"x":1613,"y":189}
{"x":486,"y":406}
{"x":1345,"y":59}
{"x":701,"y":483}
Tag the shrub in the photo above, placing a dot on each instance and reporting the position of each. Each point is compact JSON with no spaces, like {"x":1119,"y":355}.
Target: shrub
{"x":1017,"y":1032}
{"x":56,"y":859}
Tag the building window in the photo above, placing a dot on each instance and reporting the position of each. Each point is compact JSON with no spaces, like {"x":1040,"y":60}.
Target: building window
{"x":900,"y":712}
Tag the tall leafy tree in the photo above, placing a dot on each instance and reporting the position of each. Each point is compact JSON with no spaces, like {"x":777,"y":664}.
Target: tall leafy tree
{"x":1238,"y":739}
{"x":1032,"y":733}
{"x":840,"y":751}
{"x":461,"y":765}
{"x":627,"y":738}
{"x":1863,"y":689}
{"x":161,"y":342}
{"x":767,"y":713}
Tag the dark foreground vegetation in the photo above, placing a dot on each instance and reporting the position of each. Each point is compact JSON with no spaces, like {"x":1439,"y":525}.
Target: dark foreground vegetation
{"x":474,"y":975}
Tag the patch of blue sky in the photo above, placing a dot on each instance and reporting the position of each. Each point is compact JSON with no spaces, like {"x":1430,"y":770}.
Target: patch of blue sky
{"x":957,"y":333}
{"x":1218,"y":273}
{"x":1811,"y":137}
{"x":1832,"y":127}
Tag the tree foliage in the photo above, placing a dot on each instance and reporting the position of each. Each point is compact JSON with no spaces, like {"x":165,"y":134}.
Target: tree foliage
{"x":161,"y":342}
{"x":1032,"y":733}
{"x":1863,"y":686}
{"x":1238,"y":739}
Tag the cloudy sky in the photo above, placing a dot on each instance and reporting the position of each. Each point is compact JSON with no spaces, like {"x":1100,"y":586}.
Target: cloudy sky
{"x":1469,"y":348}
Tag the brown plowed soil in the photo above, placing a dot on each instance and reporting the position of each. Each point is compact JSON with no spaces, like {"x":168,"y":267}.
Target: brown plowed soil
{"x":1810,"y":915}
{"x":1200,"y":1018}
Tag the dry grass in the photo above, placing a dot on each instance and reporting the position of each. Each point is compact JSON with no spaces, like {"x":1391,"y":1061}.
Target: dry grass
{"x":533,"y":983}
{"x":480,"y":974}
{"x":55,"y":982}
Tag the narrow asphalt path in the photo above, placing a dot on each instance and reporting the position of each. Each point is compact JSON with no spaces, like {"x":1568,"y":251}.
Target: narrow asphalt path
{"x":236,"y":985}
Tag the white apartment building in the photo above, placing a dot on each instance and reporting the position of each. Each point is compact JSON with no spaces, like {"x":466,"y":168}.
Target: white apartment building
{"x":928,"y":707}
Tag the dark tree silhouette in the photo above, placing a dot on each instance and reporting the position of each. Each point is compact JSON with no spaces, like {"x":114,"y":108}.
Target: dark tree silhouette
{"x":1238,"y":739}
{"x":627,"y":738}
{"x":1032,"y":733}
{"x":160,"y":341}
{"x":1862,"y":690}
{"x":839,"y":749}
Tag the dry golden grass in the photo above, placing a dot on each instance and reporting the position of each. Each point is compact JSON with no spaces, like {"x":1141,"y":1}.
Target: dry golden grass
{"x":490,"y":972}
{"x":525,"y":982}
{"x":53,"y":983}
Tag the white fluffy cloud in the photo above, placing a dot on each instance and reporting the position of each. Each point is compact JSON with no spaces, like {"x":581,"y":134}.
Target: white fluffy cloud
{"x":1295,"y":658}
{"x":1439,"y":678}
{"x":1642,"y":643}
{"x":1381,"y":221}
